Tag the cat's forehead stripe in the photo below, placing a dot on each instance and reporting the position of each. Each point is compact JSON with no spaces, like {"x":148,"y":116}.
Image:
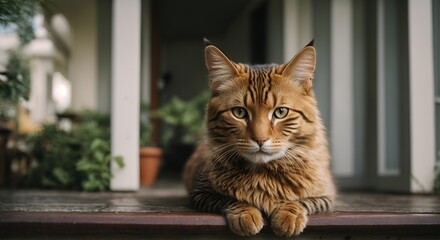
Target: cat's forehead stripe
{"x":260,"y":82}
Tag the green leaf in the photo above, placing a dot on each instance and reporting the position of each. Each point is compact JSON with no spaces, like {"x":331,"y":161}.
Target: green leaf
{"x":99,"y":156}
{"x":120,"y":161}
{"x":61,"y":175}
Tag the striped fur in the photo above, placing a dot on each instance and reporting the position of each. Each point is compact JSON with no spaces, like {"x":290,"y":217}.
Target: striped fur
{"x":266,"y":162}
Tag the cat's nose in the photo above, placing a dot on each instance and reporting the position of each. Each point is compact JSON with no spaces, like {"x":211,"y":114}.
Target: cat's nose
{"x":260,"y":141}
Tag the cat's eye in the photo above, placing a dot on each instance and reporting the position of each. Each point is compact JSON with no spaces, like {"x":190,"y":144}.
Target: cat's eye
{"x":239,"y":112}
{"x":280,"y":112}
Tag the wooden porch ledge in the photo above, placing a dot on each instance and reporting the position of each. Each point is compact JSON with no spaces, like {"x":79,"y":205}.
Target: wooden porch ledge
{"x":163,"y":211}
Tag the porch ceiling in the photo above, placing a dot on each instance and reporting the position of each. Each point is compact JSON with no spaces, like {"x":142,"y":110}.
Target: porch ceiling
{"x":197,"y":18}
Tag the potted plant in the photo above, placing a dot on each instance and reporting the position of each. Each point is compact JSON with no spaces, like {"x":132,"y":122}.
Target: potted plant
{"x":184,"y":127}
{"x":149,"y":153}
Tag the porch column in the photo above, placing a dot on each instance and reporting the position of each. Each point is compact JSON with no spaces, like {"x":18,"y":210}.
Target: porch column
{"x":421,"y":82}
{"x":341,"y":63}
{"x":126,"y":49}
{"x":298,"y":26}
{"x":44,"y":56}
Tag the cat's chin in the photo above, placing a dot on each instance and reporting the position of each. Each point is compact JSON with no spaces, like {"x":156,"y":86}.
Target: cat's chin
{"x":261,"y":157}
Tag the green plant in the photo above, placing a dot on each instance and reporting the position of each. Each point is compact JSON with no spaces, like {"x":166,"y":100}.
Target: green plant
{"x":146,"y":130}
{"x":184,"y":119}
{"x":56,"y":154}
{"x":94,"y":166}
{"x":18,"y":14}
{"x":79,"y":159}
{"x":14,"y":83}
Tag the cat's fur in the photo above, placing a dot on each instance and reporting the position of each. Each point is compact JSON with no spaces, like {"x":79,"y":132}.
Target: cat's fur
{"x":254,"y":164}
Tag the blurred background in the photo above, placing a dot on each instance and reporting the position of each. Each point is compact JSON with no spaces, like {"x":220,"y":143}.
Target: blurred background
{"x":102,"y":77}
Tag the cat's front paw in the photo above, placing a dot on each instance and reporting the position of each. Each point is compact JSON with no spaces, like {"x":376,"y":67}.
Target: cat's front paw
{"x":290,"y":219}
{"x":244,"y":219}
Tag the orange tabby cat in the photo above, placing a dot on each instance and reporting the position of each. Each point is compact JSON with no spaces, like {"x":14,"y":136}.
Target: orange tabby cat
{"x":266,"y":151}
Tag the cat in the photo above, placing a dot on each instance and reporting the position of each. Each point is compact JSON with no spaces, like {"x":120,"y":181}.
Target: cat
{"x":266,"y":152}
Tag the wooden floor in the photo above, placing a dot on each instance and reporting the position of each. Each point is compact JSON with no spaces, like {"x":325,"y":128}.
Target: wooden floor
{"x":162,"y":212}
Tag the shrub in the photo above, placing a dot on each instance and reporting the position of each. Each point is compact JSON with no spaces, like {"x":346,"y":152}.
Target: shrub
{"x":79,"y":159}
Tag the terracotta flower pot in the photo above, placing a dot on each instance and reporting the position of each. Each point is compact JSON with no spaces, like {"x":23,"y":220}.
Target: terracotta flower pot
{"x":149,"y":164}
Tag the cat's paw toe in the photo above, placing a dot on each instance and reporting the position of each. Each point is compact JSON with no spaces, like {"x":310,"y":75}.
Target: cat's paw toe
{"x":290,"y":219}
{"x":244,"y":220}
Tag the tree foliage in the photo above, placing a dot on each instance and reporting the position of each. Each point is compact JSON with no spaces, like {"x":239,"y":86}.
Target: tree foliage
{"x":15,"y":82}
{"x":18,"y":14}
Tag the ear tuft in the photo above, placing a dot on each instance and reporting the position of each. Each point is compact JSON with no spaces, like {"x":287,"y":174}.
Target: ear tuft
{"x":206,"y":42}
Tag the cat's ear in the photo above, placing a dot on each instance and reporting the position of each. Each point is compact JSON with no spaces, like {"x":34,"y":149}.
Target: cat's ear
{"x":301,"y":68}
{"x":219,"y":66}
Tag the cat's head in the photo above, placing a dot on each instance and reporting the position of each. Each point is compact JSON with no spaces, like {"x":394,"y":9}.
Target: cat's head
{"x":260,"y":112}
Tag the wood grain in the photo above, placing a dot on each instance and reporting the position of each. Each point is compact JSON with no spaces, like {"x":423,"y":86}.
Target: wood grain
{"x":163,"y":211}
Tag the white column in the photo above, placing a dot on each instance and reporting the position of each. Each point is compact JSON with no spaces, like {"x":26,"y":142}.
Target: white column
{"x":421,"y":80}
{"x":44,"y":56}
{"x":126,"y":49}
{"x":342,"y":119}
{"x":38,"y":102}
{"x":298,"y":30}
